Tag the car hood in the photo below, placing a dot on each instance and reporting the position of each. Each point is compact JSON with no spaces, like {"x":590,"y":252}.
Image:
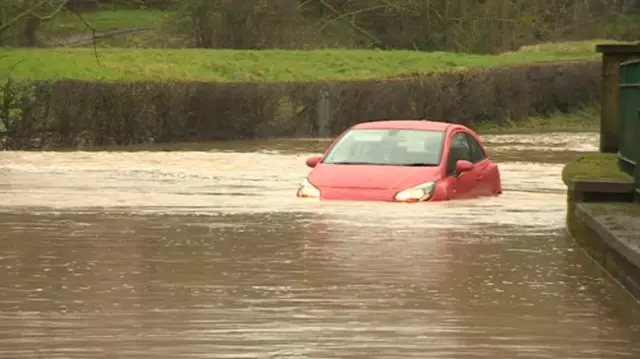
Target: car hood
{"x":371,"y":176}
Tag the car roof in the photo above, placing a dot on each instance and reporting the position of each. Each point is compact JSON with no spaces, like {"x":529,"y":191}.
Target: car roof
{"x":424,"y":125}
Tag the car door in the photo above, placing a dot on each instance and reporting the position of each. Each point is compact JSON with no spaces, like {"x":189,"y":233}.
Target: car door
{"x":479,"y":159}
{"x":461,"y":185}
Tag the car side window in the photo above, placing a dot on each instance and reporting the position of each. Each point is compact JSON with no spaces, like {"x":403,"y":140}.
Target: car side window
{"x":458,"y":150}
{"x":477,"y":153}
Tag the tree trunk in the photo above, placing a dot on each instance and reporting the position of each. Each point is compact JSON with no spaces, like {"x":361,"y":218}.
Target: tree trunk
{"x":31,"y":32}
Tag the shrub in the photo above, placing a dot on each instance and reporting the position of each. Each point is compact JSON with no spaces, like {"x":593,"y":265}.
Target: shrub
{"x":122,"y":113}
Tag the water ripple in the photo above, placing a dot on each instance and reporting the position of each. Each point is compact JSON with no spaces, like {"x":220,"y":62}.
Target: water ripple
{"x":207,"y":254}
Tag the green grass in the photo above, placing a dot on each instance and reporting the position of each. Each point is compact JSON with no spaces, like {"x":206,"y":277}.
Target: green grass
{"x":584,"y":120}
{"x":69,"y":24}
{"x":265,"y":65}
{"x":594,"y":166}
{"x":587,"y":46}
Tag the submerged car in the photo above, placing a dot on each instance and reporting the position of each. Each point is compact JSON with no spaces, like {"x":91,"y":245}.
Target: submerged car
{"x":402,"y":161}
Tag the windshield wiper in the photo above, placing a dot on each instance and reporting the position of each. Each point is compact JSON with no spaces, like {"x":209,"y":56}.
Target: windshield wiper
{"x":417,"y":164}
{"x":352,"y":163}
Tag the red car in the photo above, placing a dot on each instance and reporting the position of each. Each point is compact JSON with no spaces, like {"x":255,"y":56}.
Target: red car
{"x":402,"y":161}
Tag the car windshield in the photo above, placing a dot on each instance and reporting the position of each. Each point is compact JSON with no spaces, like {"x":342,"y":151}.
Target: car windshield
{"x":388,"y":147}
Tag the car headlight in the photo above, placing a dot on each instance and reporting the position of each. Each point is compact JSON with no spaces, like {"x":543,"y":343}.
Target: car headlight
{"x":416,"y":194}
{"x":308,"y":190}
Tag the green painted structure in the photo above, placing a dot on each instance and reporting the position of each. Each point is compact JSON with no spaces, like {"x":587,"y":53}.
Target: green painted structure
{"x":629,"y":121}
{"x":612,"y":56}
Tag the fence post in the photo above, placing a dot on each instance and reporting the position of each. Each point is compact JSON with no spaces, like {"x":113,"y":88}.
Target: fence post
{"x":323,"y":116}
{"x":612,"y":56}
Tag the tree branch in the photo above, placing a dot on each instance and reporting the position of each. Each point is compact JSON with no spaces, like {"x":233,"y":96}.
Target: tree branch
{"x":31,"y":12}
{"x":93,"y":35}
{"x":51,"y":14}
{"x":23,"y":14}
{"x":354,"y":26}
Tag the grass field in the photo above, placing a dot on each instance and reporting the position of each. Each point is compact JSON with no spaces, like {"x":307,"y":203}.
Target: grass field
{"x":261,"y":65}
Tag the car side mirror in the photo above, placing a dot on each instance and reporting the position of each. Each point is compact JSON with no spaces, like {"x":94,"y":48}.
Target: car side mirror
{"x":313,"y":161}
{"x":463,"y":166}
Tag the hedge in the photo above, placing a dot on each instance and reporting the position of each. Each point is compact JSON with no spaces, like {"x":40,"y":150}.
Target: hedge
{"x":84,"y":113}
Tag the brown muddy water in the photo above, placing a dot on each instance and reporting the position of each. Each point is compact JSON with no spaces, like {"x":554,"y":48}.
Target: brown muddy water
{"x":207,"y":253}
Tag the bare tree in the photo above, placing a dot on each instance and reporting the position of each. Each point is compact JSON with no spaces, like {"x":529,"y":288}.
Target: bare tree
{"x":28,"y":14}
{"x":468,"y":25}
{"x":458,"y":25}
{"x":240,"y":24}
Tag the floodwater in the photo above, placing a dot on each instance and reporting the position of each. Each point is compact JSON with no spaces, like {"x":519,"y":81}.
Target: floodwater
{"x":206,"y":253}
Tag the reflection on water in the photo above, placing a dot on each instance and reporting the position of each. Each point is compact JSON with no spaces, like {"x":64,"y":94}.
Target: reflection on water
{"x":209,"y":254}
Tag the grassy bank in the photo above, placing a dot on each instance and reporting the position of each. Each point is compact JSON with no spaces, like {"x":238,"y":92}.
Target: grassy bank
{"x":586,"y":120}
{"x":265,"y":65}
{"x":594,"y":166}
